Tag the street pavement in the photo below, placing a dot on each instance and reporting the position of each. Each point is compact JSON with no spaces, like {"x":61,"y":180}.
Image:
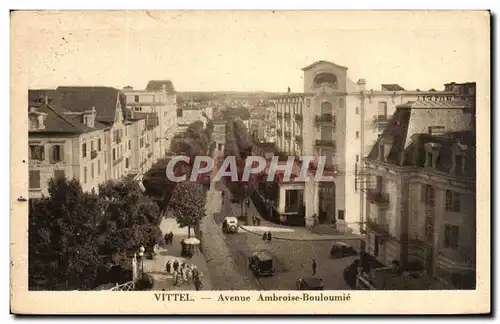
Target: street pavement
{"x":156,"y":267}
{"x":292,"y":255}
{"x":225,"y":270}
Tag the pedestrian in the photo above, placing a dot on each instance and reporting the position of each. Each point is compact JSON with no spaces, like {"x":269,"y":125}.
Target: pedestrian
{"x":176,"y":265}
{"x":181,"y":274}
{"x":188,"y":273}
{"x":168,"y":266}
{"x":197,"y":284}
{"x":269,"y":237}
{"x":176,"y":278}
{"x":264,"y":236}
{"x":314,"y":267}
{"x":253,"y":221}
{"x":247,"y":202}
{"x":166,"y":239}
{"x":195,"y":274}
{"x":171,"y":237}
{"x":258,"y":221}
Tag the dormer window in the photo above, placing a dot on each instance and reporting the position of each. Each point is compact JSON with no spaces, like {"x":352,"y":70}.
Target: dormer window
{"x":385,"y":145}
{"x":36,"y":119}
{"x":89,"y":117}
{"x":459,"y":161}
{"x":429,"y":159}
{"x":431,"y":154}
{"x":33,"y":123}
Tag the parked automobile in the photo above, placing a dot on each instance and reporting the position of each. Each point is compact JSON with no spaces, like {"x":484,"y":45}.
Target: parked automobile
{"x":230,"y":225}
{"x":310,"y":283}
{"x":261,"y":264}
{"x":342,"y":250}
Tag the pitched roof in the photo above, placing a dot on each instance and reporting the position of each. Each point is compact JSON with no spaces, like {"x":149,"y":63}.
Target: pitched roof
{"x":392,"y":87}
{"x":407,"y":133}
{"x":157,"y":85}
{"x":322,"y":62}
{"x":78,"y":99}
{"x":57,"y":121}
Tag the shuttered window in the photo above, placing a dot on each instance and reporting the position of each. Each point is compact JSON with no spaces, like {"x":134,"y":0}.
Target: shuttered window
{"x":56,"y":153}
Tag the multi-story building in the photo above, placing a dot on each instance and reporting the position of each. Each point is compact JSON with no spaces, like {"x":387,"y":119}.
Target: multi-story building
{"x":86,"y":133}
{"x":159,"y":97}
{"x":341,"y":120}
{"x":62,"y":143}
{"x":421,"y":191}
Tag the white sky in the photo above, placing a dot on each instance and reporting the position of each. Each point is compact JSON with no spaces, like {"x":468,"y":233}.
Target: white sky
{"x":247,"y":51}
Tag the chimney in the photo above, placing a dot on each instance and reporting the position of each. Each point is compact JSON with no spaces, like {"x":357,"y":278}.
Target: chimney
{"x":128,"y":88}
{"x":362,"y":84}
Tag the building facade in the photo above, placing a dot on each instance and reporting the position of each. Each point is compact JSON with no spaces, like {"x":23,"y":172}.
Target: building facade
{"x":160,"y":98}
{"x":341,"y":120}
{"x":86,"y":133}
{"x":421,"y":191}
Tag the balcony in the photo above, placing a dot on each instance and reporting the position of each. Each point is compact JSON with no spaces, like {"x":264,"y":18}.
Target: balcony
{"x":118,"y":140}
{"x":93,"y":154}
{"x":118,"y":161}
{"x":325,"y":143}
{"x":147,"y":145}
{"x":377,"y":197}
{"x":279,"y":132}
{"x":287,"y":115}
{"x":287,"y":135}
{"x":298,"y":117}
{"x":325,"y":119}
{"x":298,"y":138}
{"x":377,"y":227}
{"x":279,"y":115}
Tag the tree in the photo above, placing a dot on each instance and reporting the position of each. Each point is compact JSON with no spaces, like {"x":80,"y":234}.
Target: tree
{"x":188,"y":204}
{"x":62,"y":254}
{"x":126,"y":204}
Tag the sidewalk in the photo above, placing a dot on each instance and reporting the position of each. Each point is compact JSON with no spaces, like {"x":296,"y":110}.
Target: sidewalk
{"x":280,"y":231}
{"x":156,"y":267}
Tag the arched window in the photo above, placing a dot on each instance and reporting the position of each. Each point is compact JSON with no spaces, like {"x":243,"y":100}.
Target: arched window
{"x":326,"y":108}
{"x":326,"y":78}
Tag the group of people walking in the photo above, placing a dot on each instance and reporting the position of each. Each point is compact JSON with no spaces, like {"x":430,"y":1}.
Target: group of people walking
{"x":183,"y":273}
{"x":169,"y":237}
{"x":267,"y":236}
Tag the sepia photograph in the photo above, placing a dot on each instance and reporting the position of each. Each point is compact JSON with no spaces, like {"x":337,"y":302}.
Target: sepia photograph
{"x":229,"y":162}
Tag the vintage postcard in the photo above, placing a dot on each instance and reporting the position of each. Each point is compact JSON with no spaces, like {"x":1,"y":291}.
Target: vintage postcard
{"x":250,"y":162}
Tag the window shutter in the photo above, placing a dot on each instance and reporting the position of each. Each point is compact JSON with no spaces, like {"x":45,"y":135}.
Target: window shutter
{"x":61,"y":153}
{"x":52,"y":159}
